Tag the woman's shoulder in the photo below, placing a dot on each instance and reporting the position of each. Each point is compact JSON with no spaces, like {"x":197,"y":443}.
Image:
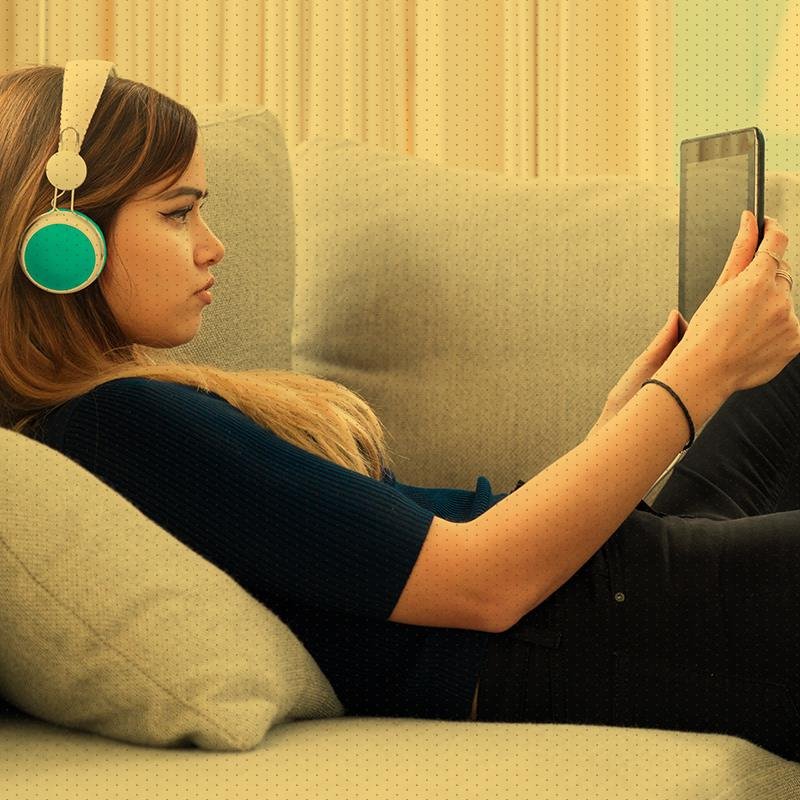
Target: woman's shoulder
{"x":51,"y":424}
{"x":143,"y":389}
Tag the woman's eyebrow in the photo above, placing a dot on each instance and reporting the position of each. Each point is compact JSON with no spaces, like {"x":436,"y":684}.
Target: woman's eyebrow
{"x":183,"y":190}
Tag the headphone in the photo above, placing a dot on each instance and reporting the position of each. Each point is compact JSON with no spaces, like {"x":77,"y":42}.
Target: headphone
{"x":63,"y":251}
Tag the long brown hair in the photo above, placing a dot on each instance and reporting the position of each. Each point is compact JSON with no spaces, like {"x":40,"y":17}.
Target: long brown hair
{"x":54,"y":347}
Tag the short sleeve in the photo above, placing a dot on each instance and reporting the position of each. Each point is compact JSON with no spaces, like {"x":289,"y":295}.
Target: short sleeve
{"x":281,"y":521}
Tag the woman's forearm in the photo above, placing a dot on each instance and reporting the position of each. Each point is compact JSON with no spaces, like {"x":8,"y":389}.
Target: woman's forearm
{"x":601,"y":420}
{"x":536,"y":538}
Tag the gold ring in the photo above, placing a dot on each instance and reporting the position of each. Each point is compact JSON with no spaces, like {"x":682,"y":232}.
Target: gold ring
{"x":786,"y":275}
{"x":774,"y":255}
{"x":782,"y":272}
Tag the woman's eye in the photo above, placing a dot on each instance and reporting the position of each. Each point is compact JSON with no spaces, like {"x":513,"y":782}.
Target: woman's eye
{"x":182,"y":213}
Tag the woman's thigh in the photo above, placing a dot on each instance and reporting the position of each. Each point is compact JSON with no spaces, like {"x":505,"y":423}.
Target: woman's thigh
{"x":745,"y":460}
{"x":677,"y":624}
{"x":556,"y":663}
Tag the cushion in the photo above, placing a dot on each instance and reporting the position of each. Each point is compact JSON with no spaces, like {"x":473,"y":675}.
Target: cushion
{"x":111,"y":625}
{"x":484,"y":317}
{"x":478,"y":313}
{"x":378,"y":758}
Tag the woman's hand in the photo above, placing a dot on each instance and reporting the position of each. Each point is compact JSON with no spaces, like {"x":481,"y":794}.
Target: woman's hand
{"x":644,"y":367}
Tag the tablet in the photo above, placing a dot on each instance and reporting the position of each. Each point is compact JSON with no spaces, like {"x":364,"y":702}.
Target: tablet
{"x":721,"y":175}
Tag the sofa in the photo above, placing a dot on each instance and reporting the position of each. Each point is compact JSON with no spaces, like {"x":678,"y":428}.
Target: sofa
{"x":485,"y":319}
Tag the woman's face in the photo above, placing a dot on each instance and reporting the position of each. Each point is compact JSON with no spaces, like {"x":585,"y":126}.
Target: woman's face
{"x":156,"y":263}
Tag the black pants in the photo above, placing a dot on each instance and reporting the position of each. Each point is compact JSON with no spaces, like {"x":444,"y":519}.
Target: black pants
{"x":688,"y":617}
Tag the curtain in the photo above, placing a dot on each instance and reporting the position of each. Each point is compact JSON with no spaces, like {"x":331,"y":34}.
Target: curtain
{"x":554,"y":87}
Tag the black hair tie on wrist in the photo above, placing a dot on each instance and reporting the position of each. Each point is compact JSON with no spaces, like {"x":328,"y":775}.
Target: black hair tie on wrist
{"x":683,"y":408}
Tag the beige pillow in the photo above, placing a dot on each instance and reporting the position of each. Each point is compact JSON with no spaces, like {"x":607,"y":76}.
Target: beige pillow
{"x":109,"y":624}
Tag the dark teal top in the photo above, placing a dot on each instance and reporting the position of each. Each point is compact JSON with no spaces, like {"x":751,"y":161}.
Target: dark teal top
{"x":327,"y":549}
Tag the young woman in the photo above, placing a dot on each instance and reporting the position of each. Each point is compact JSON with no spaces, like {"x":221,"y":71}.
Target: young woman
{"x":567,"y":600}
